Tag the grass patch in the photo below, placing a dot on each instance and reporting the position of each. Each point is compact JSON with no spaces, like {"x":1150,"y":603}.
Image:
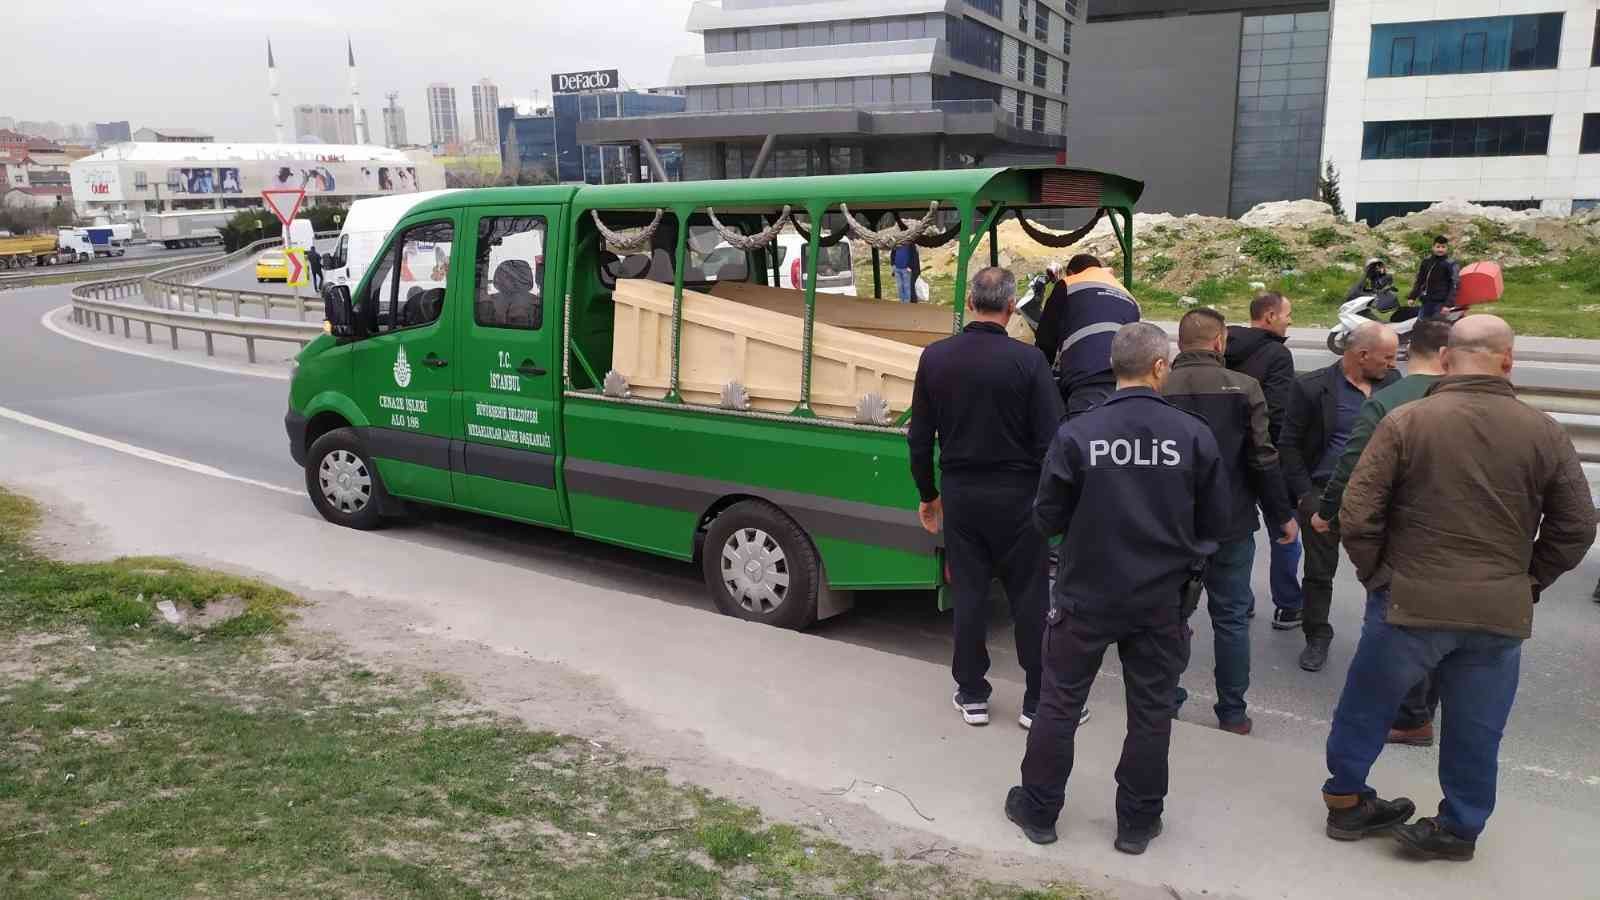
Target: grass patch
{"x":1159,"y":266}
{"x":115,"y":597}
{"x":1326,"y":236}
{"x":1492,"y":237}
{"x":272,"y":765}
{"x":1266,"y":248}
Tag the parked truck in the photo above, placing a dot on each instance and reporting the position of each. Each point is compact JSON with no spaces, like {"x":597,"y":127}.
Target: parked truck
{"x":69,"y":245}
{"x":98,"y":239}
{"x":193,"y":228}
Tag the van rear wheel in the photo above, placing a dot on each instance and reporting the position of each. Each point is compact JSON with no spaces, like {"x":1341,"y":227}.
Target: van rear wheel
{"x":760,"y":566}
{"x":343,"y":481}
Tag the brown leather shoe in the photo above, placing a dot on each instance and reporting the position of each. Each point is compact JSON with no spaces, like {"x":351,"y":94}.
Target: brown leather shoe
{"x":1412,"y":737}
{"x":1243,"y":726}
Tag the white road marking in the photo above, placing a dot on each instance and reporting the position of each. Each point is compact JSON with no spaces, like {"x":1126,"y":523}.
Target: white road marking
{"x":122,"y":346}
{"x":140,"y":452}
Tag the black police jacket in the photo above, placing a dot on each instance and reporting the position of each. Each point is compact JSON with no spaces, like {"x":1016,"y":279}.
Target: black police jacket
{"x":1140,"y":493}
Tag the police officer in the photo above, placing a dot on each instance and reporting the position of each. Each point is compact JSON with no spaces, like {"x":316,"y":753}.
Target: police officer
{"x":991,"y":405}
{"x":1139,"y":491}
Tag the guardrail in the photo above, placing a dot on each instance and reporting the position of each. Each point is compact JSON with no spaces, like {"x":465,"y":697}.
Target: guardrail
{"x":106,"y":302}
{"x":159,"y":300}
{"x":69,"y":272}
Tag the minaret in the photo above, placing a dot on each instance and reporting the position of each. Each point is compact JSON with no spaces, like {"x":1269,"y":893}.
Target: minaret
{"x":272,"y":88}
{"x":357,"y":115}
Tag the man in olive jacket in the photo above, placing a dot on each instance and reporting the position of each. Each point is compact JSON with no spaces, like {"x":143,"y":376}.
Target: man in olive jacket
{"x":1414,"y":724}
{"x":1464,"y":506}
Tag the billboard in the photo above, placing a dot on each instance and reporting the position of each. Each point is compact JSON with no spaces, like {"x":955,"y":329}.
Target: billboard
{"x":99,"y":182}
{"x":593,"y":80}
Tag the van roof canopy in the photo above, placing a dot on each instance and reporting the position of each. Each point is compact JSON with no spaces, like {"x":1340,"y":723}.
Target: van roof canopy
{"x":1024,"y":186}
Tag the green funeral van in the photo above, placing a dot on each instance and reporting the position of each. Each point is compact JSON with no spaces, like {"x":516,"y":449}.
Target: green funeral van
{"x":472,"y":367}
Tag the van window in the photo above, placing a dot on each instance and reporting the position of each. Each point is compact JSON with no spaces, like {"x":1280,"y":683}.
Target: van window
{"x":510,"y":273}
{"x":833,"y":260}
{"x":407,"y":288}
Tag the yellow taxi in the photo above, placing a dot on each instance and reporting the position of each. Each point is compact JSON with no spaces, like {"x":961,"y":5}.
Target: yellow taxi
{"x":272,"y":266}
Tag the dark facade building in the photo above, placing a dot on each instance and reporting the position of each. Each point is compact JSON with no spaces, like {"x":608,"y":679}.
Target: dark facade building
{"x":1216,"y":104}
{"x":537,"y":141}
{"x":798,"y":87}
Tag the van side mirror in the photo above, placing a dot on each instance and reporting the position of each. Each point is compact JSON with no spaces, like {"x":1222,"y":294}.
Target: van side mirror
{"x":339,"y":312}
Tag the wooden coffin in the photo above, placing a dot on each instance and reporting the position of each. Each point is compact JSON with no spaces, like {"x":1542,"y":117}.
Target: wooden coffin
{"x":757,"y":348}
{"x":908,"y":323}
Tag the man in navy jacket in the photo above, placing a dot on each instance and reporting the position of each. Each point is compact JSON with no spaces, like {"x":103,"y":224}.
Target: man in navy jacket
{"x":1154,"y":497}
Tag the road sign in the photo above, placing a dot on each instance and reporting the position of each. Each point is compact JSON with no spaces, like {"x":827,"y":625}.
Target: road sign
{"x":284,"y":202}
{"x":299,"y":273}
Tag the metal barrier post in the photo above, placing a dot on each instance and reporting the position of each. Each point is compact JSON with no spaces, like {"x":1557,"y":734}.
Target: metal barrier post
{"x":127,"y":327}
{"x":147,"y":338}
{"x":250,"y":348}
{"x":210,"y":350}
{"x":174,"y":336}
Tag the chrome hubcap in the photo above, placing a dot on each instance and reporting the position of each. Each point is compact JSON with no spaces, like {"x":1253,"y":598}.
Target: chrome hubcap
{"x":346,"y":481}
{"x":755,"y":570}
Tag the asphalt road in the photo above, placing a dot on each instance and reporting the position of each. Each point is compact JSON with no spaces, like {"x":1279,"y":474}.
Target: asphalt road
{"x":243,"y":277}
{"x":234,"y":422}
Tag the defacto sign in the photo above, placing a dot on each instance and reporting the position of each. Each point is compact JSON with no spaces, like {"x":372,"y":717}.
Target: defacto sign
{"x":573,"y":82}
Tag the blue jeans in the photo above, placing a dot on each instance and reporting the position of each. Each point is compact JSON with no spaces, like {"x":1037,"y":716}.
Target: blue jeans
{"x":1286,"y":593}
{"x":1477,"y":674}
{"x":1228,"y":602}
{"x":905,"y":284}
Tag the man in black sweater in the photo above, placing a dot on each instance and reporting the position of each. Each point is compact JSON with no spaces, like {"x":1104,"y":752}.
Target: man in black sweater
{"x":1322,"y":414}
{"x":1260,"y":352}
{"x":990,"y":404}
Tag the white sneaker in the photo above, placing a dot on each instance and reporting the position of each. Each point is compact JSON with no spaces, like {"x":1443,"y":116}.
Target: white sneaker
{"x":973,"y":712}
{"x":1026,"y":721}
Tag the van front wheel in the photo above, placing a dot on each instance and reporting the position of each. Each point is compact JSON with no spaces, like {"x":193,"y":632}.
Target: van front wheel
{"x":761,"y":567}
{"x":343,"y":482}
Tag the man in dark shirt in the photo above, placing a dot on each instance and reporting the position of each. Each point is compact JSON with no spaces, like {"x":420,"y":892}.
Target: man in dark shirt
{"x":1140,"y":494}
{"x":1438,"y":279}
{"x":1259,"y":351}
{"x":991,"y":405}
{"x":1236,"y":410}
{"x":1322,"y":414}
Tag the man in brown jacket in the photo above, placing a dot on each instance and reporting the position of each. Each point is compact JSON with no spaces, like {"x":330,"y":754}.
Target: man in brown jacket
{"x":1463,"y":508}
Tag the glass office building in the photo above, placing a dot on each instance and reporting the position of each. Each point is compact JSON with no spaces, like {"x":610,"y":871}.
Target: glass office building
{"x":548,"y":141}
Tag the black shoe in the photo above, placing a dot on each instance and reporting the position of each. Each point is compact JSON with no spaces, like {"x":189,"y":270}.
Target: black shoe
{"x":1014,"y":811}
{"x":1368,"y":815}
{"x":1427,"y":839}
{"x":1135,"y":841}
{"x":1286,"y":619}
{"x":1315,"y":655}
{"x":1250,"y":613}
{"x":973,"y":712}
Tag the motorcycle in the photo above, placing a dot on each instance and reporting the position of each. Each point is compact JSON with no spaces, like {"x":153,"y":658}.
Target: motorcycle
{"x":1480,"y":283}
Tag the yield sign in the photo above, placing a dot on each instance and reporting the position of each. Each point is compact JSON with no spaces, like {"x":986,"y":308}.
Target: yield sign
{"x":284,"y":202}
{"x":296,"y":258}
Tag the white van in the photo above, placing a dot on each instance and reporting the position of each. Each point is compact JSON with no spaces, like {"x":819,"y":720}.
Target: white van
{"x":365,"y":226}
{"x":835,"y":274}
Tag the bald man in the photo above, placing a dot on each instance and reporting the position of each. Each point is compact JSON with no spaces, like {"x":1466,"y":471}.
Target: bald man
{"x":1323,"y":406}
{"x":1464,"y":507}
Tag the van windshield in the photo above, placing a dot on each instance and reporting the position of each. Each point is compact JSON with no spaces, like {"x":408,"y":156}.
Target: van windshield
{"x":833,"y":260}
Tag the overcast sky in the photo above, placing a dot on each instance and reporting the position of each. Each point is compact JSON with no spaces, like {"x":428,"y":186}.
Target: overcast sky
{"x":202,"y":63}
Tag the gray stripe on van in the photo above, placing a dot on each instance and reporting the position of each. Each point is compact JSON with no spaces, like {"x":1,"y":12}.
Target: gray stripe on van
{"x":866,"y":523}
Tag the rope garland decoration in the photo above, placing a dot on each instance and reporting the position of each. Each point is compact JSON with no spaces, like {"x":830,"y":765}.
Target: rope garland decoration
{"x":827,"y":240}
{"x":888,"y":239}
{"x":628,"y":243}
{"x":740,"y":241}
{"x":932,"y":241}
{"x":1053,"y":239}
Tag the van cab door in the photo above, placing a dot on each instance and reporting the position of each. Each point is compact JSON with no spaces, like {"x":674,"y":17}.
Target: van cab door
{"x":405,"y":369}
{"x":510,"y":370}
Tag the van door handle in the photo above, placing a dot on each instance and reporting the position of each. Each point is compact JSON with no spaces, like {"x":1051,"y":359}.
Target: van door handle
{"x":531,"y":369}
{"x":435,"y":360}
